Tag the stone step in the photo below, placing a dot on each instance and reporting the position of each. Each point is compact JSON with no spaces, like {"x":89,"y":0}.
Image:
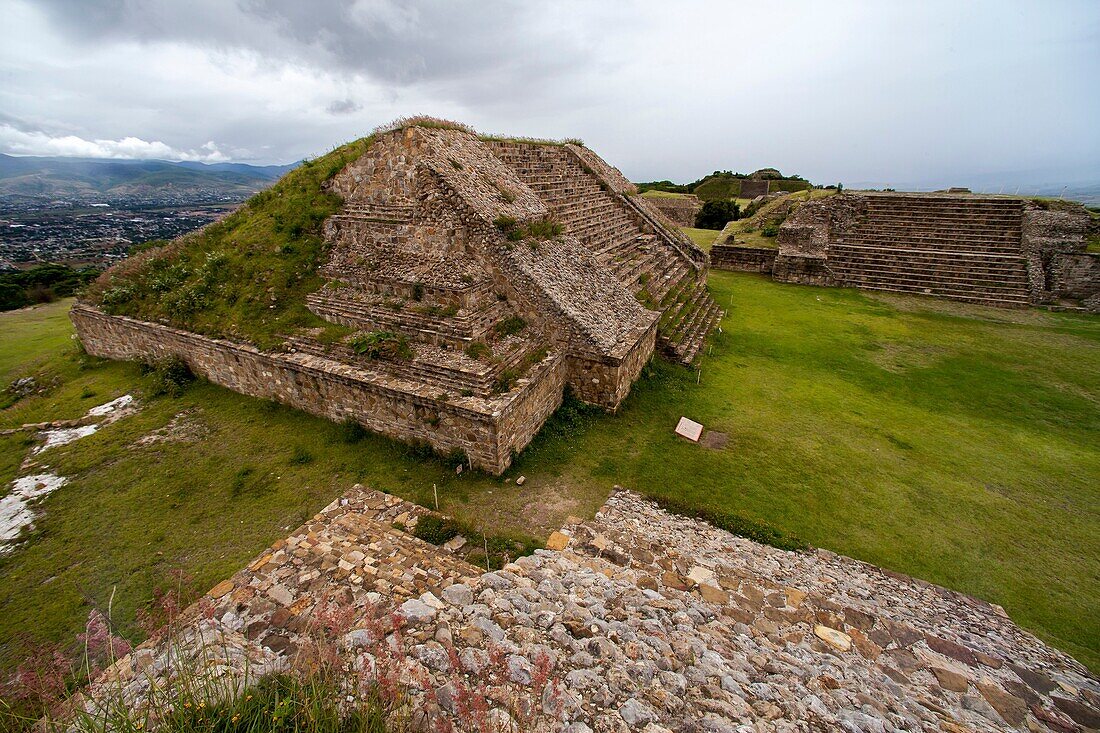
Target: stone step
{"x":970,"y":297}
{"x":959,"y":246}
{"x":452,"y":330}
{"x":944,"y":219}
{"x":926,"y":278}
{"x":937,"y":229}
{"x":927,"y":262}
{"x":1013,"y":288}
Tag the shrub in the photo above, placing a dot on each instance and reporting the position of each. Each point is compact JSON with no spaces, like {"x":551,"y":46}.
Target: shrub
{"x":504,"y":381}
{"x":771,"y":229}
{"x":479,"y":350}
{"x":543,"y":229}
{"x":510,"y":326}
{"x":167,"y":376}
{"x":381,"y":345}
{"x":538,"y":229}
{"x":435,"y":529}
{"x":41,"y":284}
{"x":716,"y":214}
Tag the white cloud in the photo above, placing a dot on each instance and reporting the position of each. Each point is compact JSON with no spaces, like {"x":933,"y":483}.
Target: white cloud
{"x":844,"y":91}
{"x":20,"y":142}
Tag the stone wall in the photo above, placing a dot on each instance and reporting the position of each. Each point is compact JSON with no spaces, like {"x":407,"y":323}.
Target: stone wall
{"x":1058,"y":268}
{"x":606,"y":381}
{"x":1076,"y":276}
{"x":743,"y":259}
{"x":681,"y":210}
{"x":802,"y":270}
{"x":750,"y":189}
{"x":338,"y":391}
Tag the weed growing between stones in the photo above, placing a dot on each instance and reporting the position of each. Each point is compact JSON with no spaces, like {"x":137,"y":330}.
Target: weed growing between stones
{"x":538,"y":230}
{"x":168,"y":376}
{"x":738,"y":524}
{"x":381,"y":345}
{"x":352,"y":674}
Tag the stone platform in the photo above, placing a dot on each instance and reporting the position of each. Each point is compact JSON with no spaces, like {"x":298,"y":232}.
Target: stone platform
{"x":642,"y":621}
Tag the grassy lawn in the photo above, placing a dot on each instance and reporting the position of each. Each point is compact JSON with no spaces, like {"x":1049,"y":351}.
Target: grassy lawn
{"x":955,"y":443}
{"x":664,"y":195}
{"x":703,"y":238}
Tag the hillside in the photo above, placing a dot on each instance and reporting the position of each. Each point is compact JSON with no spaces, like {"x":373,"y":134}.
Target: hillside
{"x":49,"y":178}
{"x":245,"y":277}
{"x":724,"y":185}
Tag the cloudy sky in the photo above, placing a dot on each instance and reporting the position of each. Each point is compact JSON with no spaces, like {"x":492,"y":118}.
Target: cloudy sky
{"x":885,"y":91}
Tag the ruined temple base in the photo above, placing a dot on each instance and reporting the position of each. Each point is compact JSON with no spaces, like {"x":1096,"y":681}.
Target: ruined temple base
{"x":643,"y":621}
{"x":488,"y":430}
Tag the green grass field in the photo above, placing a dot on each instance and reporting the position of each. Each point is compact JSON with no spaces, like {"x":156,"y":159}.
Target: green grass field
{"x":703,"y":238}
{"x":955,"y":443}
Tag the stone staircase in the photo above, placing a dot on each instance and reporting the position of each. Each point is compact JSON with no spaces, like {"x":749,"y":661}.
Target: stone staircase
{"x":381,"y":212}
{"x":643,"y":257}
{"x":964,"y":248}
{"x":636,"y":620}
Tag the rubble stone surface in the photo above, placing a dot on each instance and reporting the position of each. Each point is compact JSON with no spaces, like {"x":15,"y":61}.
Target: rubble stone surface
{"x":649,"y":621}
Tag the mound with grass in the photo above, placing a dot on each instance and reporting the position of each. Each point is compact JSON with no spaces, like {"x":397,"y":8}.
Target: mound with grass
{"x":245,"y":277}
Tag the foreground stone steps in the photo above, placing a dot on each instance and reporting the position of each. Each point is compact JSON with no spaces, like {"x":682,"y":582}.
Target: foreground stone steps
{"x":636,"y":620}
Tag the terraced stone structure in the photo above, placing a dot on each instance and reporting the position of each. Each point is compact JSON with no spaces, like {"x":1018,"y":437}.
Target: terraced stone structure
{"x":680,"y":209}
{"x":482,"y":277}
{"x":1000,"y":251}
{"x":640,"y":620}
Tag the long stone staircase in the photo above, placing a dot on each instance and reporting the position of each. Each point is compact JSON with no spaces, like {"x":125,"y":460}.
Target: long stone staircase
{"x":964,"y":248}
{"x":626,"y":238}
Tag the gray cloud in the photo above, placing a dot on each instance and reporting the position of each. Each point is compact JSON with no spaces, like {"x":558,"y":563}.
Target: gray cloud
{"x":849,"y":91}
{"x":343,"y":107}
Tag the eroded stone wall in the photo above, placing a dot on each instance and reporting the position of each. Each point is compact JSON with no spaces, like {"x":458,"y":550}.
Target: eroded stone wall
{"x":607,"y":381}
{"x":681,"y":210}
{"x":337,"y":391}
{"x":743,"y":259}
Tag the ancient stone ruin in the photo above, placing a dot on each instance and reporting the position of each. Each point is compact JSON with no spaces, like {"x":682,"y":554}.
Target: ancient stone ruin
{"x":1000,"y":251}
{"x":483,"y":277}
{"x":681,"y":209}
{"x":637,"y":620}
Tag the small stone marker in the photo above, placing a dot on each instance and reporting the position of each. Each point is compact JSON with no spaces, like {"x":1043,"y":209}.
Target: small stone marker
{"x":689,"y":429}
{"x":521,"y":481}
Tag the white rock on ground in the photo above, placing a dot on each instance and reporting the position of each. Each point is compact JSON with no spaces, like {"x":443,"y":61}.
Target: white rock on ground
{"x":15,"y":508}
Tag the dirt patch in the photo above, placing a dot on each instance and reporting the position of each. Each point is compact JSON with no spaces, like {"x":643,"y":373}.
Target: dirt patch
{"x":184,"y":427}
{"x":714,"y":440}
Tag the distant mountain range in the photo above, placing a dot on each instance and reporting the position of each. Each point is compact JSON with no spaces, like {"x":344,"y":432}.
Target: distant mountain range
{"x":46,"y":179}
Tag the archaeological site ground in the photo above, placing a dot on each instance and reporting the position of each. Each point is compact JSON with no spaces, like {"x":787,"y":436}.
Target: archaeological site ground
{"x":432,"y":354}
